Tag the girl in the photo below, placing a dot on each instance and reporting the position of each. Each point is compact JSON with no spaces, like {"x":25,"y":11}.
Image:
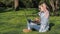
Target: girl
{"x":44,"y":17}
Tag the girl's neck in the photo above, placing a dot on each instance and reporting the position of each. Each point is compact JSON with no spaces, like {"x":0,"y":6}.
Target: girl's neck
{"x":45,"y":10}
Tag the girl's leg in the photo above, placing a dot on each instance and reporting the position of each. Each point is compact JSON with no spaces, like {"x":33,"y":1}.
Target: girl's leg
{"x":28,"y":26}
{"x":44,"y":26}
{"x":36,"y":27}
{"x":33,"y":26}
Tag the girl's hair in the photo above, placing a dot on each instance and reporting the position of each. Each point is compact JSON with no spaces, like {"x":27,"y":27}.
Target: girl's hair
{"x":45,"y":4}
{"x":41,"y":3}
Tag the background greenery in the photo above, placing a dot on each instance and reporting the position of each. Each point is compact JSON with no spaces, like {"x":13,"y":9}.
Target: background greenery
{"x":54,"y":5}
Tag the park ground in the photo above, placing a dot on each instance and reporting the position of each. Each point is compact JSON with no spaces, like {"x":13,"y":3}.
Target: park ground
{"x":13,"y":22}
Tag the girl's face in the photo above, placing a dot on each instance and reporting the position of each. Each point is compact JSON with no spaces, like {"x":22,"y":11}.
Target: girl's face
{"x":42,"y":7}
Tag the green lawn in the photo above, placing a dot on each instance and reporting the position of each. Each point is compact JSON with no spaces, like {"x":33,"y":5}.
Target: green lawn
{"x":12,"y":22}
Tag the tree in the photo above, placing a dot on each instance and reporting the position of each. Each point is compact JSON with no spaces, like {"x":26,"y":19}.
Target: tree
{"x":16,"y":4}
{"x":54,"y":5}
{"x":7,"y":2}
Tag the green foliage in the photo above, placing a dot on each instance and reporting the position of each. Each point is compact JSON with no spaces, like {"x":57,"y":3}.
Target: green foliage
{"x":27,"y":3}
{"x":6,"y":1}
{"x":30,"y":3}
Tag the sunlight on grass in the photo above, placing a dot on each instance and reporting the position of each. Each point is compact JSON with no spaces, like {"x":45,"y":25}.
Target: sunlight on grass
{"x":14,"y":22}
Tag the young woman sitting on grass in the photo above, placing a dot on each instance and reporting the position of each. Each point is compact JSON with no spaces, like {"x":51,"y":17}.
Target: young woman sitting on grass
{"x":44,"y":17}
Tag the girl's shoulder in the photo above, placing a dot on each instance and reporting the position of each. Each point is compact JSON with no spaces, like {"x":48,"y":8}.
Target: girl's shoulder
{"x":39,"y":12}
{"x":47,"y":12}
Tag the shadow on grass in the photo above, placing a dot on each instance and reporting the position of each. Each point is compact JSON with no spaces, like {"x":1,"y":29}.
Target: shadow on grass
{"x":51,"y":25}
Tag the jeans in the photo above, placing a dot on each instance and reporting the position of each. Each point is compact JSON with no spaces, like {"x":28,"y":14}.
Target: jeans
{"x":31,"y":25}
{"x":41,"y":28}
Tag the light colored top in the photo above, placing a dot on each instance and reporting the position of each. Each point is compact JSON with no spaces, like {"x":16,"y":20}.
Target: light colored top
{"x":44,"y":16}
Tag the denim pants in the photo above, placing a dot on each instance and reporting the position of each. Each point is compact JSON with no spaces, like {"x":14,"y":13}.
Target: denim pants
{"x":33,"y":26}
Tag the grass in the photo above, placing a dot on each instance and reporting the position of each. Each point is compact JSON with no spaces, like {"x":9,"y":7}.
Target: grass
{"x":12,"y":22}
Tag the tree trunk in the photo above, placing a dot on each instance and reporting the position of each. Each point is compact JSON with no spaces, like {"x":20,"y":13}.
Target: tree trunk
{"x":16,"y":4}
{"x":56,"y":7}
{"x":52,"y":5}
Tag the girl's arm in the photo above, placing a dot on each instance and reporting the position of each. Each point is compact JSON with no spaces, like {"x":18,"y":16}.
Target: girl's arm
{"x":39,"y":13}
{"x":47,"y":14}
